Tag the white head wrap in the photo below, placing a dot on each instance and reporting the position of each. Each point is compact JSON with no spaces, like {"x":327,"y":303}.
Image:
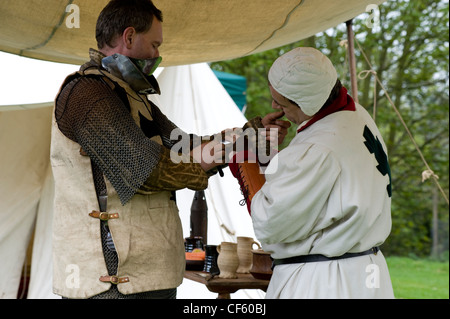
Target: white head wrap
{"x":305,"y":76}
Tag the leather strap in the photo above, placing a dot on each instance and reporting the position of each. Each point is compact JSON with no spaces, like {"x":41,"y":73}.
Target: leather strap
{"x":114,"y":279}
{"x":317,"y":258}
{"x":103,"y":215}
{"x":82,"y":152}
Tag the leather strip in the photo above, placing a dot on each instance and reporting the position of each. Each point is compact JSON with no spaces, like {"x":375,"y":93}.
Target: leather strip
{"x":82,"y":152}
{"x":114,"y":279}
{"x":103,"y":215}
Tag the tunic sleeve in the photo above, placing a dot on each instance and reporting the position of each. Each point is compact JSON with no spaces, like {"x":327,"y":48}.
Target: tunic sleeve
{"x":292,"y":203}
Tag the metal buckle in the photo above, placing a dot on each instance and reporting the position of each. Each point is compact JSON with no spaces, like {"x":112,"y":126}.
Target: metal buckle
{"x":115,"y":280}
{"x":103,"y":216}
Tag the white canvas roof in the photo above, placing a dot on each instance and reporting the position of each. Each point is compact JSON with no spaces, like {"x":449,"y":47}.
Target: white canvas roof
{"x":194,"y":31}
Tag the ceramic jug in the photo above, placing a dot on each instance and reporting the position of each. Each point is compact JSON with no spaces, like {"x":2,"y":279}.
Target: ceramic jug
{"x":245,"y":256}
{"x":228,"y":260}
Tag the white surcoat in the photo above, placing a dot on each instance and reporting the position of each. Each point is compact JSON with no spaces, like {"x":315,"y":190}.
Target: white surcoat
{"x":327,"y":193}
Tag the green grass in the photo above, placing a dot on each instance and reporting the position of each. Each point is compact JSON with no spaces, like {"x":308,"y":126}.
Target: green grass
{"x":419,"y":278}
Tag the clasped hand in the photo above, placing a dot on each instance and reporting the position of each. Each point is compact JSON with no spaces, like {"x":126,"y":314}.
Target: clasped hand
{"x":219,"y":151}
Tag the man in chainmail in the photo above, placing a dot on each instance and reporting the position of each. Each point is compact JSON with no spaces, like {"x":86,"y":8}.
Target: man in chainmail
{"x":117,"y":233}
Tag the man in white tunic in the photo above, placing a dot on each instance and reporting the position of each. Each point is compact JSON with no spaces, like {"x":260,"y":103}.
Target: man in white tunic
{"x":325,"y":207}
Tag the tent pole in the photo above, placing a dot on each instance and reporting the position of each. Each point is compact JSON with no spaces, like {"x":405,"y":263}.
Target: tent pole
{"x":352,"y":60}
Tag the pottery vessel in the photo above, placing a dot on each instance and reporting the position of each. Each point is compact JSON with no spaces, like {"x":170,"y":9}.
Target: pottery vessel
{"x":228,"y":260}
{"x":262,"y":265}
{"x":244,"y":251}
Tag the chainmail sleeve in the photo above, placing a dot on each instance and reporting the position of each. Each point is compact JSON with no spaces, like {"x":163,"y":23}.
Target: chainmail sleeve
{"x":90,"y":113}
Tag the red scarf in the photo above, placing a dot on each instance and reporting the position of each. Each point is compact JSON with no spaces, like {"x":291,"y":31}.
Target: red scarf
{"x":343,"y":102}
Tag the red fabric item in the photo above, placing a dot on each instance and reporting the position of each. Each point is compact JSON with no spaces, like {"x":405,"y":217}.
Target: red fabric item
{"x":234,"y":168}
{"x":343,"y":102}
{"x":239,"y":158}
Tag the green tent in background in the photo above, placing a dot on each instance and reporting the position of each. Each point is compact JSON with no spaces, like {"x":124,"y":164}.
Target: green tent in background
{"x":236,"y":86}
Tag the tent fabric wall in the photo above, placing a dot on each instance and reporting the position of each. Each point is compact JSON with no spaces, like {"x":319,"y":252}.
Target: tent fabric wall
{"x":194,"y":99}
{"x":41,"y":286}
{"x":25,"y":149}
{"x":194,"y":31}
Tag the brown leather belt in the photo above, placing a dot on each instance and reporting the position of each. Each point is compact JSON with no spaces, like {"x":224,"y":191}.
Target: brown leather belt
{"x":103,"y":215}
{"x":114,"y":279}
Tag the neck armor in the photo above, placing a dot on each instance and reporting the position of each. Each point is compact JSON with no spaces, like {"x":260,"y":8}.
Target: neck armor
{"x":137,"y":73}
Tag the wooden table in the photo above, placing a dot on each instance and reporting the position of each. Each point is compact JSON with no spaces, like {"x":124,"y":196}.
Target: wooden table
{"x":224,"y":287}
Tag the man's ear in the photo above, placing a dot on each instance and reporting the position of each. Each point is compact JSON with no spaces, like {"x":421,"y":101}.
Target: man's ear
{"x":128,"y":37}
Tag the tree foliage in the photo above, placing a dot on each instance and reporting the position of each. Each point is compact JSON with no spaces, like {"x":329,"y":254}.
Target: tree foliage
{"x":409,"y":52}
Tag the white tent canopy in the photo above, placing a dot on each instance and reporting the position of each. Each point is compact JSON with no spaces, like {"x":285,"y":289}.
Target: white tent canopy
{"x":194,"y":31}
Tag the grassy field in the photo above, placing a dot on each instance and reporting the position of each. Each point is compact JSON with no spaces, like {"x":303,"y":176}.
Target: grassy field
{"x":419,"y":278}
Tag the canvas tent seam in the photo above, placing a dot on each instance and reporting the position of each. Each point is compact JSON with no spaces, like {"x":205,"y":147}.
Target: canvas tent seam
{"x":55,"y":28}
{"x":286,"y":20}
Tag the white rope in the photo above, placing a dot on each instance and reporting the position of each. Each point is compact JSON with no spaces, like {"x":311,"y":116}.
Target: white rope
{"x":427,"y":174}
{"x":344,"y":43}
{"x":362,"y":75}
{"x":222,"y":225}
{"x":434,"y":176}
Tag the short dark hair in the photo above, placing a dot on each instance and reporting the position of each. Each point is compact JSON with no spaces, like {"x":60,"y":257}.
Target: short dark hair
{"x":121,"y":14}
{"x":333,"y":95}
{"x":335,"y":91}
